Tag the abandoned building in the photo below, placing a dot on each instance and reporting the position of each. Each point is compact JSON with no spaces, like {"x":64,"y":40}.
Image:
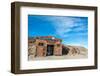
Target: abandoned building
{"x":44,"y":46}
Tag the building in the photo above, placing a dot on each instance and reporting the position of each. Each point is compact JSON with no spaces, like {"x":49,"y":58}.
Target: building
{"x":44,"y":46}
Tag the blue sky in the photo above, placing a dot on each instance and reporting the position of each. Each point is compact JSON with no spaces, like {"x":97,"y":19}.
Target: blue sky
{"x":72,"y":30}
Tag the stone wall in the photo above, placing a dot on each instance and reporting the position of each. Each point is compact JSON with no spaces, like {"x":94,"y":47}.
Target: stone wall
{"x":40,"y":49}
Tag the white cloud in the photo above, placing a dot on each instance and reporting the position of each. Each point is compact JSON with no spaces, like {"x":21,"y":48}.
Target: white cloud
{"x":63,"y":25}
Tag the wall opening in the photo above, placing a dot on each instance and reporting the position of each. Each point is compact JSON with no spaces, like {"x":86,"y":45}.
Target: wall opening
{"x":50,"y":50}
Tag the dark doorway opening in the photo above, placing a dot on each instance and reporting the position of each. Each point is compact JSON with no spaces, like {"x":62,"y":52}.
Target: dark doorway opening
{"x":65,"y":50}
{"x":50,"y":49}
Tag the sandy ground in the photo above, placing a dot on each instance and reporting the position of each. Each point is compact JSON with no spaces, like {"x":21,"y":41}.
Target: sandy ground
{"x":75,"y":52}
{"x":59,"y":57}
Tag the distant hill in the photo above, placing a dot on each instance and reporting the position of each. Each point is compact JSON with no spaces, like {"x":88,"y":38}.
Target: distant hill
{"x":74,"y":50}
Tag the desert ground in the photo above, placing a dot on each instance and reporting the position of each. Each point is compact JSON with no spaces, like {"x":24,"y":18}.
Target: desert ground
{"x":75,"y":52}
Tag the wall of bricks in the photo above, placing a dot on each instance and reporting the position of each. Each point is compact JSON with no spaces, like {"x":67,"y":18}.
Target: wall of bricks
{"x":41,"y":50}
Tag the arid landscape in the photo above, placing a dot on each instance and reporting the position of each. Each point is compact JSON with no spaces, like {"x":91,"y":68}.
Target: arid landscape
{"x":69,"y":52}
{"x":57,"y":37}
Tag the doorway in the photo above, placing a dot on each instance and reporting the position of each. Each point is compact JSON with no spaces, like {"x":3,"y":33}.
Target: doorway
{"x":65,"y":50}
{"x":50,"y":49}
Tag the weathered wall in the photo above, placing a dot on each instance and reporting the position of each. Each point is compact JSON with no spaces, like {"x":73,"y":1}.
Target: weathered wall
{"x":42,"y":50}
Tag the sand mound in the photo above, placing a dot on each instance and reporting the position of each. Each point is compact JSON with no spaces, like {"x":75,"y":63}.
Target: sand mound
{"x":75,"y":50}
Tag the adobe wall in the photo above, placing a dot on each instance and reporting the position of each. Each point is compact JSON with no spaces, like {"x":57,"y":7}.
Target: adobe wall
{"x":58,"y":49}
{"x":41,"y":51}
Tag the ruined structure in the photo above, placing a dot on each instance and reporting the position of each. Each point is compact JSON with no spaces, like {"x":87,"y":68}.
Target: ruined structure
{"x":44,"y":46}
